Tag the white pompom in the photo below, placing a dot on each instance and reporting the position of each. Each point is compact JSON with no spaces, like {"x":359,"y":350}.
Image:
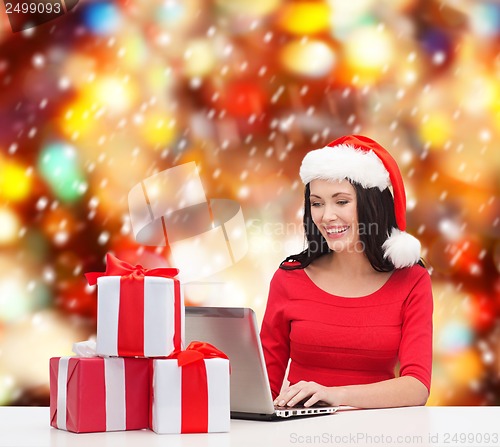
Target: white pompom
{"x":402,"y":249}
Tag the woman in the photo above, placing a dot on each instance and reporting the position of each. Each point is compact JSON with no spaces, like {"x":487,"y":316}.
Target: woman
{"x":357,"y":302}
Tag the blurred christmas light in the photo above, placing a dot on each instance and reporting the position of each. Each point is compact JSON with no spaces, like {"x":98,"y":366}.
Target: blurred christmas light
{"x":485,"y":19}
{"x":158,"y":128}
{"x":453,"y":337}
{"x":452,"y":329}
{"x":68,"y":266}
{"x":464,"y":256}
{"x":410,"y":70}
{"x":243,"y":99}
{"x":40,"y":294}
{"x":399,"y":5}
{"x":133,"y":50}
{"x":79,"y":68}
{"x":346,"y":16}
{"x":368,"y":52}
{"x":304,"y":17}
{"x":59,"y":166}
{"x":20,"y":293}
{"x":199,"y":58}
{"x":450,"y":229}
{"x":45,"y":334}
{"x":463,"y":367}
{"x":440,"y":387}
{"x":311,"y":58}
{"x":171,"y":12}
{"x":437,"y":44}
{"x":481,"y":93}
{"x":35,"y":243}
{"x":75,"y":297}
{"x":9,"y":229}
{"x":496,"y":258}
{"x":114,"y":94}
{"x":79,"y":118}
{"x":101,"y":17}
{"x":254,"y":8}
{"x":158,"y":79}
{"x":14,"y":300}
{"x":482,"y":311}
{"x":59,"y":225}
{"x":7,"y":388}
{"x":436,"y":129}
{"x":15,"y":181}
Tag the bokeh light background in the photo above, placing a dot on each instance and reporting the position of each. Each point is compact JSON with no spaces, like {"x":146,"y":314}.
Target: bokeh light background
{"x":114,"y":92}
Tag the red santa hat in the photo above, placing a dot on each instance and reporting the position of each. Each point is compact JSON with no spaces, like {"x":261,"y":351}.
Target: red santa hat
{"x":364,"y":161}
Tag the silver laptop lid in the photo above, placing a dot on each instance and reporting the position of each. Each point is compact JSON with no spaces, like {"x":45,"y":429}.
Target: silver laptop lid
{"x":234,"y":331}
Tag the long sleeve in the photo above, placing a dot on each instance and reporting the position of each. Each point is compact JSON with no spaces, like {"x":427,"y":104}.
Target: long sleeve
{"x":415,"y":350}
{"x":275,"y":333}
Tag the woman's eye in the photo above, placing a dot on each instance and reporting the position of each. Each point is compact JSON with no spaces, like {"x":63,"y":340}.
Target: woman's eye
{"x":342,"y":202}
{"x":315,"y":204}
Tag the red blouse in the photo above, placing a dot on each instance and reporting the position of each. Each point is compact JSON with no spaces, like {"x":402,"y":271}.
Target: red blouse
{"x":335,"y":341}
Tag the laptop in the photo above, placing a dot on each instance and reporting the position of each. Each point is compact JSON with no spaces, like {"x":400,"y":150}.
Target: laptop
{"x":234,"y":331}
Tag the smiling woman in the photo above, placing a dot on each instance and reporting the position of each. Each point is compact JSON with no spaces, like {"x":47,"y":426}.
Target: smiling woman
{"x":357,"y":301}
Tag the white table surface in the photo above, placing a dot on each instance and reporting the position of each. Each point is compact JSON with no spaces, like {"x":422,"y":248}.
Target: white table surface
{"x":415,"y":426}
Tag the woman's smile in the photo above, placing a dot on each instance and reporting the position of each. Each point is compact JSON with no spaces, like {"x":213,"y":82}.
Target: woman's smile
{"x":336,"y":232}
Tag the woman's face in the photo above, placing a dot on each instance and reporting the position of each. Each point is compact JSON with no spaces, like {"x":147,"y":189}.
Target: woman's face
{"x":334,"y":212}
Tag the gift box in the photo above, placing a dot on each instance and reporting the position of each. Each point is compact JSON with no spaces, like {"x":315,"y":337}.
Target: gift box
{"x":140,"y":312}
{"x":93,"y":394}
{"x":190,"y":391}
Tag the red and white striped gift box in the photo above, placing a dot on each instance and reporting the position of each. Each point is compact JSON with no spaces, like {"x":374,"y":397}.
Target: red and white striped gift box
{"x":140,"y":312}
{"x":99,"y":394}
{"x":190,"y":394}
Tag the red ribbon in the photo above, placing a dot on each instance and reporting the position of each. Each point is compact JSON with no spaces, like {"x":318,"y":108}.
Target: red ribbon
{"x":131,"y":312}
{"x":117,"y":267}
{"x":194,"y":391}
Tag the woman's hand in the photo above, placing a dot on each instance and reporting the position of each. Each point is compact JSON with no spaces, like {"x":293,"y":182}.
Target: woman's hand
{"x":308,"y":393}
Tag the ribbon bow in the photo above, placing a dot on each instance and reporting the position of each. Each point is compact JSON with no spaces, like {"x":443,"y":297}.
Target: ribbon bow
{"x":194,"y":385}
{"x":195,"y":352}
{"x":117,"y":267}
{"x":86,"y":349}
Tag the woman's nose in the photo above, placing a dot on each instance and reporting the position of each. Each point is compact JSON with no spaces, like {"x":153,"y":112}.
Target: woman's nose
{"x":329,"y":214}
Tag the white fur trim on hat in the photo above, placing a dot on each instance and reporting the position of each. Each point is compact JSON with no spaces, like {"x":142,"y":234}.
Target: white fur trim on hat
{"x":345,"y":161}
{"x":402,"y":249}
